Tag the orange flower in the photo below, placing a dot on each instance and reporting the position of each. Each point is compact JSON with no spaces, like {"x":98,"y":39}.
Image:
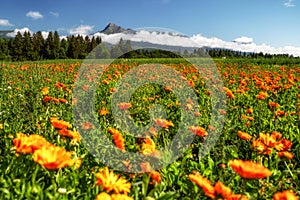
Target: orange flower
{"x":61,"y":100}
{"x":204,"y":183}
{"x":244,"y":136}
{"x":262,"y":95}
{"x":283,"y":145}
{"x":112,"y":182}
{"x":222,"y":112}
{"x":103,"y":111}
{"x":221,"y":189}
{"x":153,"y":132}
{"x":45,"y":91}
{"x":163,"y":123}
{"x":212,"y":128}
{"x":259,"y":146}
{"x":249,"y":169}
{"x":113,"y":90}
{"x":56,"y":100}
{"x":229,"y":93}
{"x":279,"y":113}
{"x":47,"y":98}
{"x":286,"y":154}
{"x":87,"y":126}
{"x":237,"y":197}
{"x":188,"y":106}
{"x":118,"y":138}
{"x":53,"y":157}
{"x":29,"y":144}
{"x":168,"y":88}
{"x":276,"y":135}
{"x":146,"y":167}
{"x":197,"y":130}
{"x":155,"y":176}
{"x":240,"y":91}
{"x":285,"y":195}
{"x":272,"y":104}
{"x":267,"y":139}
{"x":59,"y":124}
{"x":60,"y":85}
{"x":71,"y":134}
{"x":247,"y":117}
{"x":148,"y":147}
{"x":124,"y":106}
{"x":106,"y":82}
{"x":197,"y":114}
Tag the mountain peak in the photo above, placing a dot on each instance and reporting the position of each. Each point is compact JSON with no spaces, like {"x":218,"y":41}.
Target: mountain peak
{"x":112,"y":28}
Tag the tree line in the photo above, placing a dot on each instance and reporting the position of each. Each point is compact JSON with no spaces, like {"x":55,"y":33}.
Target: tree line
{"x":35,"y":47}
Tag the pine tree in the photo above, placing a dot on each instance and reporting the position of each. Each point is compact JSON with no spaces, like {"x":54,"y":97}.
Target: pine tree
{"x":38,"y":45}
{"x":92,"y":45}
{"x":81,"y":47}
{"x":56,"y":45}
{"x":71,"y":52}
{"x":28,"y":51}
{"x":17,"y":46}
{"x":87,"y":43}
{"x":4,"y":51}
{"x":49,"y":44}
{"x":63,"y":49}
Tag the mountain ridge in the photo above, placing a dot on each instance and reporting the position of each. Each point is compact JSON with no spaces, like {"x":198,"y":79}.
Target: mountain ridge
{"x":112,"y":28}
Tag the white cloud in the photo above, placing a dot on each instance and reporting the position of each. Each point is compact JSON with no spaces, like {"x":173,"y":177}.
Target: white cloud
{"x":34,"y":15}
{"x":45,"y":34}
{"x":243,"y":40}
{"x":244,"y":44}
{"x":289,"y":4}
{"x":81,"y":30}
{"x":5,"y":22}
{"x":55,"y":14}
{"x":22,"y":30}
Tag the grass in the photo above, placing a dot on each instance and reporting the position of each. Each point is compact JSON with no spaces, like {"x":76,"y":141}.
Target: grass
{"x":23,"y":109}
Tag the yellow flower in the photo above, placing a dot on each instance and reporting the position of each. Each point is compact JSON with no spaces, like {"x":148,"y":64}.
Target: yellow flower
{"x":45,"y":91}
{"x":285,"y":195}
{"x":112,"y":182}
{"x":120,"y":197}
{"x":148,"y":147}
{"x":103,"y":196}
{"x":53,"y":157}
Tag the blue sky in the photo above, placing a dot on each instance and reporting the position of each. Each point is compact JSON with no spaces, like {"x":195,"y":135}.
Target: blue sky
{"x":273,"y":22}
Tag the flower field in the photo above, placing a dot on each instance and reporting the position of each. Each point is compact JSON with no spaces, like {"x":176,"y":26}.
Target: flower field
{"x":44,"y":132}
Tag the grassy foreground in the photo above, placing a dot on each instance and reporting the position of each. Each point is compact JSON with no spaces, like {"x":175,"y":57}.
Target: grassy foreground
{"x":256,"y":156}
